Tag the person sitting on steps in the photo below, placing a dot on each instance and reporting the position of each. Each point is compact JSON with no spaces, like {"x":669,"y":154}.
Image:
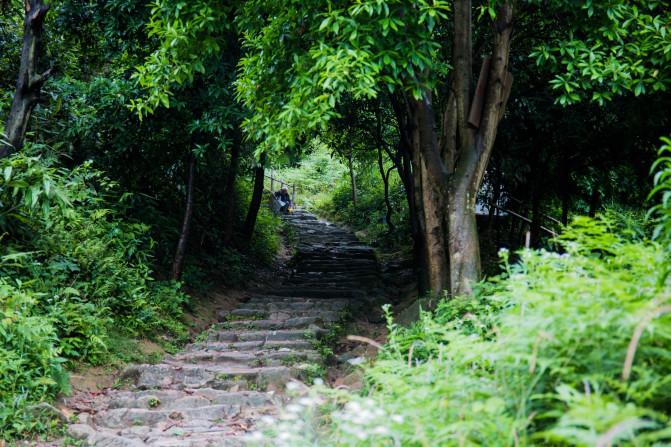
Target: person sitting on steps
{"x":284,"y":199}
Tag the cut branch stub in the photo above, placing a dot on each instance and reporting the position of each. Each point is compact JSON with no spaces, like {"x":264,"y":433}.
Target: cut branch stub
{"x":475,"y":114}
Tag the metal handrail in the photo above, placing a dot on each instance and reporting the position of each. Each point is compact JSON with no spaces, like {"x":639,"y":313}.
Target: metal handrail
{"x":546,"y":216}
{"x":525,"y":219}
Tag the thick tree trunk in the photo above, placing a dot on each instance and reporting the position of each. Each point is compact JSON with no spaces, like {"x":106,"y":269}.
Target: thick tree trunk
{"x":352,"y":176}
{"x":453,"y":172}
{"x":229,"y":193}
{"x":255,"y":204}
{"x":433,"y":182}
{"x":29,"y":81}
{"x":409,"y":178}
{"x":180,"y":252}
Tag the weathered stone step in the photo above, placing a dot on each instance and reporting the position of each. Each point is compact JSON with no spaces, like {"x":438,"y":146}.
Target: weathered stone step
{"x":318,"y":292}
{"x":256,"y":345}
{"x":279,"y":315}
{"x":299,"y":282}
{"x":269,"y":298}
{"x":336,"y":269}
{"x":294,"y":306}
{"x":275,"y":357}
{"x":124,"y":417}
{"x":201,"y":433}
{"x":233,"y":336}
{"x":290,"y":323}
{"x":215,"y":376}
{"x":335,"y":276}
{"x":176,"y":399}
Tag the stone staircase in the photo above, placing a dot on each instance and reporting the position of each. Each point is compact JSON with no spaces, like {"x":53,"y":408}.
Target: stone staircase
{"x":214,"y":391}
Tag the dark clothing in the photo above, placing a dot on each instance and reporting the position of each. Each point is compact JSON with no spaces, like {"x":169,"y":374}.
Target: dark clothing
{"x":285,"y":200}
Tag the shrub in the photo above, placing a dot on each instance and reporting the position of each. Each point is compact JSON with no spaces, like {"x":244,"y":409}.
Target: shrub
{"x":542,"y":356}
{"x":73,"y":270}
{"x":31,"y":368}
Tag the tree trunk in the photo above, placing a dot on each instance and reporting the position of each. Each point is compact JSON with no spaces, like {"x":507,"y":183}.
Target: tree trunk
{"x":565,"y":191}
{"x":536,"y":195}
{"x":352,"y":176}
{"x":380,"y":164}
{"x":407,"y":174}
{"x":29,"y":81}
{"x":229,"y":193}
{"x":180,"y":252}
{"x":255,"y":204}
{"x":432,"y":180}
{"x":453,"y":172}
{"x":385,"y":181}
{"x":594,"y":200}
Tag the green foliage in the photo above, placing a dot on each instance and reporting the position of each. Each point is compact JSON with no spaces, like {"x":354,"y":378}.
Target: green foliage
{"x":73,"y":271}
{"x":613,"y":47}
{"x":314,"y":176}
{"x":31,"y":368}
{"x":368,"y":216}
{"x":189,"y":33}
{"x":303,"y":58}
{"x":661,"y":211}
{"x":540,"y":357}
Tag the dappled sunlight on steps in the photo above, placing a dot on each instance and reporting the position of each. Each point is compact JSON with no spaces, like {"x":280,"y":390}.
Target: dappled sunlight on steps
{"x":215,"y":390}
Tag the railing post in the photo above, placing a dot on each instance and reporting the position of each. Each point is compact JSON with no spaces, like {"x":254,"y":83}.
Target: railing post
{"x":272,"y":182}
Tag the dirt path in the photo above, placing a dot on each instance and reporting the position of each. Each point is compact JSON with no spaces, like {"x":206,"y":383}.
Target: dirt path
{"x":214,"y":391}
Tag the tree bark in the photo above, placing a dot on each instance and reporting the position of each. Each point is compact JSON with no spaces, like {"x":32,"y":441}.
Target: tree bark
{"x":380,"y":164}
{"x":452,"y":172}
{"x":385,"y":181}
{"x":29,"y":82}
{"x":180,"y":252}
{"x":352,"y":176}
{"x":405,"y":160}
{"x":432,"y":179}
{"x":594,"y":200}
{"x":255,"y":204}
{"x":229,"y":192}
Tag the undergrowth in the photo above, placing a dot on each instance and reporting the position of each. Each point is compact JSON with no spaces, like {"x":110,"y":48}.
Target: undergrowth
{"x":563,"y":348}
{"x":75,"y":273}
{"x":543,"y":355}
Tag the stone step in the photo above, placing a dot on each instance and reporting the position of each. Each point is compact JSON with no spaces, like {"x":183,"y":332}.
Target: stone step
{"x":334,"y":284}
{"x":273,"y":357}
{"x":335,"y":276}
{"x":336,"y":269}
{"x":176,"y":399}
{"x":269,"y":298}
{"x":174,"y":434}
{"x":208,"y":375}
{"x":232,"y":336}
{"x":293,"y":322}
{"x":293,"y":306}
{"x":318,"y":292}
{"x":124,"y":417}
{"x":319,"y":316}
{"x":256,"y":345}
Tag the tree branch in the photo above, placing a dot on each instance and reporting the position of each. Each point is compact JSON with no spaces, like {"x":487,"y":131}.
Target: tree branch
{"x":37,"y":81}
